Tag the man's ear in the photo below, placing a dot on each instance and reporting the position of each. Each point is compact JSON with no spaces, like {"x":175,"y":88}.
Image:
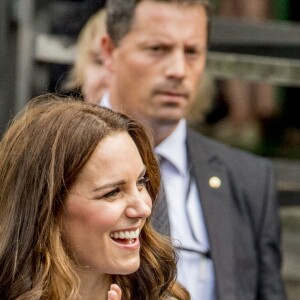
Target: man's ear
{"x":107,"y":49}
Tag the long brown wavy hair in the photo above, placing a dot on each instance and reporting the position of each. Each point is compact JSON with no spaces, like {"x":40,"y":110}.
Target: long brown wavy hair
{"x":41,"y":154}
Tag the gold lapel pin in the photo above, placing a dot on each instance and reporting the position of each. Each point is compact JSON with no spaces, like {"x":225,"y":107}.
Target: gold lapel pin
{"x":215,"y":182}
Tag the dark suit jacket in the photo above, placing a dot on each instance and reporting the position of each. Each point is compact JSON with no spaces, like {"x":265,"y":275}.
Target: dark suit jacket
{"x":241,"y":218}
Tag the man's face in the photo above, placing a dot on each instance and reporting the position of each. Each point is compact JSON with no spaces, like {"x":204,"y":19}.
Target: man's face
{"x":158,"y":64}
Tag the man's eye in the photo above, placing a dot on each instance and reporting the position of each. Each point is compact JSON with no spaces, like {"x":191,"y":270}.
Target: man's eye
{"x":142,"y":182}
{"x":157,"y":49}
{"x":192,"y":52}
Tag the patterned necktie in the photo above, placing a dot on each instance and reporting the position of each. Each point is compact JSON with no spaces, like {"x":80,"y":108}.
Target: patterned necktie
{"x":160,"y":216}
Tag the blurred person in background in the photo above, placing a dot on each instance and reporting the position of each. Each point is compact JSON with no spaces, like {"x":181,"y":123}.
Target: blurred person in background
{"x":88,"y":75}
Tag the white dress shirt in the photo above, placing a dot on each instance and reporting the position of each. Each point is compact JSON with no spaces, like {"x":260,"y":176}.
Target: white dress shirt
{"x":195,"y":271}
{"x":105,"y":100}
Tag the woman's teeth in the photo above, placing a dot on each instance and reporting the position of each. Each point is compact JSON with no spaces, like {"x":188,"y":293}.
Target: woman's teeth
{"x":125,"y":234}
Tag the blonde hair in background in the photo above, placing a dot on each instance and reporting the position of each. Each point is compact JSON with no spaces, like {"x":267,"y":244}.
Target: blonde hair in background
{"x":94,"y":27}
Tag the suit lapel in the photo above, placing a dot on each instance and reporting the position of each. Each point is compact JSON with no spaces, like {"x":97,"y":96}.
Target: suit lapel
{"x":213,"y":186}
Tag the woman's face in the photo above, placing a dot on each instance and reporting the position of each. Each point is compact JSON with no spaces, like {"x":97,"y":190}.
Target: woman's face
{"x":106,"y":208}
{"x":95,"y":75}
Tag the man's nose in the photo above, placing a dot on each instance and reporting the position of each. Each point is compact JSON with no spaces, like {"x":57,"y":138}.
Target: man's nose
{"x":176,"y":65}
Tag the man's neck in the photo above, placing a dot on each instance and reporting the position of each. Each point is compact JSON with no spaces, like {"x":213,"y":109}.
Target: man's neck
{"x":161,"y":132}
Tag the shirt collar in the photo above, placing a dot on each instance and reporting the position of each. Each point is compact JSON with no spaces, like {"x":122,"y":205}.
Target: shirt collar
{"x":173,"y":148}
{"x":105,"y":100}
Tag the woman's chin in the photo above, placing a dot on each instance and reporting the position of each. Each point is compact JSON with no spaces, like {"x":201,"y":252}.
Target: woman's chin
{"x":129,"y":269}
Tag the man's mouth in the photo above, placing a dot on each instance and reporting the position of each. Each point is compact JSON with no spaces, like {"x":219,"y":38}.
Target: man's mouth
{"x":172,"y":98}
{"x":125,"y":237}
{"x":173,"y":93}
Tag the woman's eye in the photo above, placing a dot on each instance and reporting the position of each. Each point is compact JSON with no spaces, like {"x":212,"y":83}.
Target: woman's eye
{"x":142,"y":182}
{"x":111,"y":194}
{"x":98,"y":61}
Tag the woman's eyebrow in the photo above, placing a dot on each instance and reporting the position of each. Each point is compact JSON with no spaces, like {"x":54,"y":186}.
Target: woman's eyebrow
{"x":117,"y":182}
{"x":108,"y":185}
{"x":143,"y":172}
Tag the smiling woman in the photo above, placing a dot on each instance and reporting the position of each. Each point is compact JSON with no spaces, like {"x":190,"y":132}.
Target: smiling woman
{"x":77,"y":186}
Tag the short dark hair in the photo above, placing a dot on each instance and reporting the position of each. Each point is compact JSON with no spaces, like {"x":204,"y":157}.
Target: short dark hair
{"x":120,"y":14}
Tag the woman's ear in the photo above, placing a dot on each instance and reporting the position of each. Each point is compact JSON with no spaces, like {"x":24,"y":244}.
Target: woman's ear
{"x":107,"y":49}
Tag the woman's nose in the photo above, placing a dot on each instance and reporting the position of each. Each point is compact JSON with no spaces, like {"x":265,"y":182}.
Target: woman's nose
{"x":140,"y":205}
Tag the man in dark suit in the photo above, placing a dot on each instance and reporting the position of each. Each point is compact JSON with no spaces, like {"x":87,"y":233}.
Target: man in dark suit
{"x":220,"y":203}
